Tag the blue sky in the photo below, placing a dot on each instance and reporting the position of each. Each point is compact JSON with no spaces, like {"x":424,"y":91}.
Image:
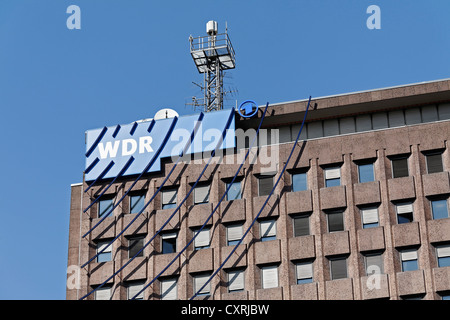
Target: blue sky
{"x":131,"y":58}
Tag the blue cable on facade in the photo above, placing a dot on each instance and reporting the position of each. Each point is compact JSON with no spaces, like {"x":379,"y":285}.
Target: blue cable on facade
{"x":188,"y":144}
{"x":214,"y":210}
{"x":265,"y":202}
{"x":149,"y":165}
{"x":228,"y":123}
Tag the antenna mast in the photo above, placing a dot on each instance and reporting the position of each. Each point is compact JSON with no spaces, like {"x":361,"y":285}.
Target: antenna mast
{"x":212,"y":55}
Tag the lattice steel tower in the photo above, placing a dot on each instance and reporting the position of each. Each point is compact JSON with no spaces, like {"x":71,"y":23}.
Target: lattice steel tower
{"x":212,"y":55}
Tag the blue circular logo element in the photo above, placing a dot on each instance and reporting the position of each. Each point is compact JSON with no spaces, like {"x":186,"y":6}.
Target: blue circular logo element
{"x":248,"y":109}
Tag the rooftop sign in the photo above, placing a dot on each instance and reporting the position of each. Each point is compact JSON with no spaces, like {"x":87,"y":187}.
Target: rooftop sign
{"x":130,"y":149}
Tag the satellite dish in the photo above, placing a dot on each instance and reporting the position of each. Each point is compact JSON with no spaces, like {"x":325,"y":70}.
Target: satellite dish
{"x":165,"y":114}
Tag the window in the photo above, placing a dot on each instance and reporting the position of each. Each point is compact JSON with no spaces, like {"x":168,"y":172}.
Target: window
{"x":202,"y":239}
{"x":335,"y":220}
{"x":299,"y":182}
{"x":443,"y":255}
{"x":199,"y":282}
{"x":103,"y":293}
{"x":332,"y":177}
{"x":106,"y":254}
{"x":235,"y":280}
{"x":373,"y":263}
{"x":135,"y":244}
{"x":338,"y":268}
{"x":268,"y":229}
{"x":439,"y":209}
{"x":168,"y":242}
{"x":304,"y":272}
{"x":137,"y":203}
{"x":169,"y":198}
{"x":169,"y":288}
{"x":404,"y":212}
{"x":234,"y":234}
{"x":434,"y":163}
{"x":301,"y":225}
{"x":265,"y":185}
{"x":366,"y":173}
{"x":409,"y":260}
{"x":445,"y":295}
{"x":201,"y":194}
{"x":104,"y":207}
{"x":399,"y":167}
{"x":234,"y":193}
{"x":133,"y":289}
{"x":269,"y":277}
{"x":369,"y":217}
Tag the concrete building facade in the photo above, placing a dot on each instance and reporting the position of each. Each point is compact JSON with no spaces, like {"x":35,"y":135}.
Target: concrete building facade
{"x":362,"y":211}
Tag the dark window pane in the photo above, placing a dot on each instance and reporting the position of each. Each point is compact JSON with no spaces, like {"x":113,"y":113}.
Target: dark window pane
{"x":405,"y":218}
{"x":265,"y":185}
{"x":399,"y":168}
{"x":134,"y":246}
{"x":338,"y":269}
{"x":335,"y":221}
{"x":434,"y":163}
{"x":301,"y":226}
{"x":169,"y":245}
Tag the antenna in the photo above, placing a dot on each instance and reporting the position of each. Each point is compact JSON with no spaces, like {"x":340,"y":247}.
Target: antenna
{"x":212,"y":55}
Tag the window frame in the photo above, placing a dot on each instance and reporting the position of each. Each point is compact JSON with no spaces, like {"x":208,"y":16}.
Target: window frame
{"x":168,"y":279}
{"x":445,"y":260}
{"x":203,"y":275}
{"x":202,"y":185}
{"x":361,"y":164}
{"x":231,"y":225}
{"x":331,"y":212}
{"x":241,"y":271}
{"x":371,"y":224}
{"x":135,"y":284}
{"x":268,"y":267}
{"x":169,"y":205}
{"x":108,"y":251}
{"x":405,"y":213}
{"x":129,"y":247}
{"x":205,"y":229}
{"x":431,"y":154}
{"x":326,"y":180}
{"x":331,"y":260}
{"x":131,"y":197}
{"x":297,"y":173}
{"x":304,"y":280}
{"x":264,"y":177}
{"x":403,"y":263}
{"x":240,"y":189}
{"x":102,"y":289}
{"x":373,"y":254}
{"x":398,"y":158}
{"x":274,"y":227}
{"x":301,"y":217}
{"x":432,"y":208}
{"x":164,"y":237}
{"x":100,"y":201}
